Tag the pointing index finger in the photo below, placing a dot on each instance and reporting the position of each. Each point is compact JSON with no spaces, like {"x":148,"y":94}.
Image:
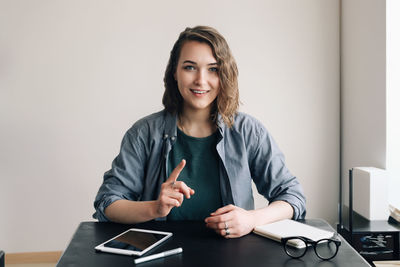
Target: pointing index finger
{"x":175,"y":173}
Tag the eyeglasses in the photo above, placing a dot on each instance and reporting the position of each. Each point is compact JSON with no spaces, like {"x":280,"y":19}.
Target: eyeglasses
{"x":296,"y":246}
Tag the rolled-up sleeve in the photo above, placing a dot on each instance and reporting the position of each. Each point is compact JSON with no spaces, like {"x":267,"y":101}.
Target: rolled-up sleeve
{"x":271,"y":176}
{"x":125,"y":178}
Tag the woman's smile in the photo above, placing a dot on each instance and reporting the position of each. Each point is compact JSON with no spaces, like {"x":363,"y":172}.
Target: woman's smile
{"x":199,"y":92}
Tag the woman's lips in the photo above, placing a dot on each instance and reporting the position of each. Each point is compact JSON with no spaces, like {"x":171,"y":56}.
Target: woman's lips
{"x":199,"y":92}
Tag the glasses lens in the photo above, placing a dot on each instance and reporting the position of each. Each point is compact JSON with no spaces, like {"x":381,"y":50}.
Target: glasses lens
{"x":295,"y":247}
{"x":326,"y":249}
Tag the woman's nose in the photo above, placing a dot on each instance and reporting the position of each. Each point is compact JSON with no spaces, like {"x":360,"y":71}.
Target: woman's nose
{"x":200,"y":78}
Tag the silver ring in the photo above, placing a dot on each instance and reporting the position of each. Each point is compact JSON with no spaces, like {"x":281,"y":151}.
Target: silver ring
{"x":227,"y":231}
{"x":173,"y":184}
{"x":226,"y":225}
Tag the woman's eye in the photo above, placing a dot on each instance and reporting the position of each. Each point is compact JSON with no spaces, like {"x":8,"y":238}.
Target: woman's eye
{"x":188,"y":67}
{"x":214,"y":69}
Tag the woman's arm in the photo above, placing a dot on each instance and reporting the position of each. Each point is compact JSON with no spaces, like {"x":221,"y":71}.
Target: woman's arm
{"x":127,"y":211}
{"x":275,"y":211}
{"x":241,"y":222}
{"x":171,"y":195}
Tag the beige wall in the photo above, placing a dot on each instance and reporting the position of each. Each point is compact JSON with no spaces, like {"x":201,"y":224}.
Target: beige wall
{"x":74,"y":76}
{"x":363,"y":83}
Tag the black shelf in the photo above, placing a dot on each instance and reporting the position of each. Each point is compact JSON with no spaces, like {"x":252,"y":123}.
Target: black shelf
{"x":374,"y":240}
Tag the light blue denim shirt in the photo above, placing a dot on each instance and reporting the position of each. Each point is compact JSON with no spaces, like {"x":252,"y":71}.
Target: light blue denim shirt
{"x":246,"y":151}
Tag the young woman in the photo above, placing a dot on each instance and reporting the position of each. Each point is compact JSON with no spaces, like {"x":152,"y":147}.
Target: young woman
{"x":195,"y":160}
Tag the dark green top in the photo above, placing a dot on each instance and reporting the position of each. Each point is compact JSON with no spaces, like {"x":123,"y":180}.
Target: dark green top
{"x":200,"y":173}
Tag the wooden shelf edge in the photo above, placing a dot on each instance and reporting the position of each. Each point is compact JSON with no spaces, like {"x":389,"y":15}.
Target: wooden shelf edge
{"x":33,"y":257}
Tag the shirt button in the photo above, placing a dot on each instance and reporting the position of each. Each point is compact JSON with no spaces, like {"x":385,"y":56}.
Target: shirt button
{"x":173,"y":138}
{"x":165,"y":136}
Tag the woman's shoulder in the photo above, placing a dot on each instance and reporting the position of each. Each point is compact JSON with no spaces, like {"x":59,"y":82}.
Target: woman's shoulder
{"x":152,"y":118}
{"x":246,"y":122}
{"x":244,"y":117}
{"x":151,"y":123}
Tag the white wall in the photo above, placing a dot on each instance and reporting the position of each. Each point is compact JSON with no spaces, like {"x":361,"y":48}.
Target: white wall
{"x":74,"y":76}
{"x":393,"y":98}
{"x":363,"y":85}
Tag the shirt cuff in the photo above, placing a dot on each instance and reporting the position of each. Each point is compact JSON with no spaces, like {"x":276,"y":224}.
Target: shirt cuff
{"x":100,"y":211}
{"x":299,"y":211}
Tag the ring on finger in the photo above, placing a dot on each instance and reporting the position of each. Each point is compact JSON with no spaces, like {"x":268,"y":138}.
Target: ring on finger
{"x":227,"y":231}
{"x":173,"y":184}
{"x":226,"y":225}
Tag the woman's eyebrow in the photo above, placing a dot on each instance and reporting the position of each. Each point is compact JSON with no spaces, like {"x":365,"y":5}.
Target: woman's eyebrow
{"x":190,"y":62}
{"x":194,"y":63}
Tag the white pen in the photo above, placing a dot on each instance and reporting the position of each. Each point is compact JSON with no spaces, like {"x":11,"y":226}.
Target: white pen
{"x":158,"y":255}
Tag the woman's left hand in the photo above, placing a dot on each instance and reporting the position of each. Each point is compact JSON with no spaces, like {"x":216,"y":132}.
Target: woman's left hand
{"x":231,"y":221}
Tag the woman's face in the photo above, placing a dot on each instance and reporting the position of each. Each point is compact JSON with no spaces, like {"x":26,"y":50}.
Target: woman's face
{"x":197,"y":76}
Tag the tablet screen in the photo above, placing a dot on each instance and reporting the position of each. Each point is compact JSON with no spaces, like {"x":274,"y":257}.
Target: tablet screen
{"x":134,"y":240}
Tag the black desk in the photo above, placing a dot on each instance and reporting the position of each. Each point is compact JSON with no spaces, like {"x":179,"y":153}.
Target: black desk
{"x":201,"y":247}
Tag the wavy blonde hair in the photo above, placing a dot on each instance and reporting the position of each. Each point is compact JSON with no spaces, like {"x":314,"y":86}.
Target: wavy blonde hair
{"x":227,"y":101}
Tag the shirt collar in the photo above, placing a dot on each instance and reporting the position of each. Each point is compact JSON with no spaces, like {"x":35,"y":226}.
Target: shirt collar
{"x":221,"y":125}
{"x":170,"y":124}
{"x":171,"y":121}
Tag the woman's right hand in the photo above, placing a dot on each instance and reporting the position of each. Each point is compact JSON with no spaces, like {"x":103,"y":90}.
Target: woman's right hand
{"x":172,"y":192}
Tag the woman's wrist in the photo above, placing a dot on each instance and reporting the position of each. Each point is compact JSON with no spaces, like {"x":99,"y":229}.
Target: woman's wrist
{"x":256,"y":217}
{"x":153,"y":209}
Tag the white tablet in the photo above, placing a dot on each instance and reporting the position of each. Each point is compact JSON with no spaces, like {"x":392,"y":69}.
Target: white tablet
{"x":134,"y":242}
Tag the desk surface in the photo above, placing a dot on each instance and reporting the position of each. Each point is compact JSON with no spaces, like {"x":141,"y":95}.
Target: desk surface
{"x":201,"y":247}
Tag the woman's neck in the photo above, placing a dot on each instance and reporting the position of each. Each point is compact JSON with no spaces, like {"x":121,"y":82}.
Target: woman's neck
{"x":196,"y":123}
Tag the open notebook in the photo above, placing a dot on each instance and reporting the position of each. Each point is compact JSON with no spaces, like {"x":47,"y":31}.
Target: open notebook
{"x":286,"y":228}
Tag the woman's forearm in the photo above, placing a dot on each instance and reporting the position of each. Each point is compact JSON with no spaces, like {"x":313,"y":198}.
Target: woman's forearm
{"x":130,"y":212}
{"x":275,"y":211}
